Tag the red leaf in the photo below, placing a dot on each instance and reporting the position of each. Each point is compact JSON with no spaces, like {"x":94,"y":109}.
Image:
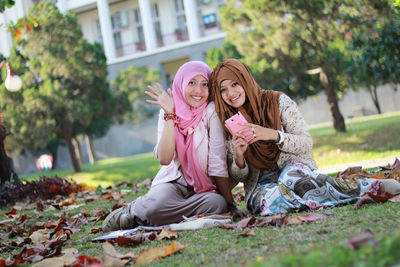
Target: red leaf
{"x":85,"y":261}
{"x":362,"y":239}
{"x":241,"y":224}
{"x":11,"y":213}
{"x":96,"y":230}
{"x":135,"y":239}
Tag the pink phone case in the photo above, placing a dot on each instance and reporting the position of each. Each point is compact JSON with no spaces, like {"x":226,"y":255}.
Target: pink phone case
{"x":233,"y":124}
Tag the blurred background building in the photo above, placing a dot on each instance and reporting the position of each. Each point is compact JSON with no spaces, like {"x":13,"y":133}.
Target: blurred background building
{"x":161,"y":34}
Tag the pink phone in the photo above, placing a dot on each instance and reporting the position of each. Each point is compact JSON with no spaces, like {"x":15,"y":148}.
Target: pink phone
{"x":233,"y":124}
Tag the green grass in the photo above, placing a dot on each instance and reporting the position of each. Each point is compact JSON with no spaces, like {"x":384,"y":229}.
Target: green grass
{"x":368,"y":138}
{"x":109,"y":171}
{"x":321,"y":243}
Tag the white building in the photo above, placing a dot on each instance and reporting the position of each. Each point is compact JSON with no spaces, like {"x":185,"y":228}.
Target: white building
{"x":161,"y":34}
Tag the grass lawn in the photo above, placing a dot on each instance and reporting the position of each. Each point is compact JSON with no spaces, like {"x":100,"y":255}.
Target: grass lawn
{"x":367,"y":138}
{"x":320,"y":243}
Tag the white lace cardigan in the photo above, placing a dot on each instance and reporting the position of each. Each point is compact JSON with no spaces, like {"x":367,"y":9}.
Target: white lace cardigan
{"x":296,"y":146}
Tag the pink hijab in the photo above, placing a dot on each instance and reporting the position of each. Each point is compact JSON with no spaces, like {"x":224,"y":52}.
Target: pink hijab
{"x":189,"y":117}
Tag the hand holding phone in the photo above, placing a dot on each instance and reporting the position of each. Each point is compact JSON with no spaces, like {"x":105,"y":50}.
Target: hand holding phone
{"x":234,"y":124}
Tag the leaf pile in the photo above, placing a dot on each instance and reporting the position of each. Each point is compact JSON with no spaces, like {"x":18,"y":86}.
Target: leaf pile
{"x":391,"y":171}
{"x":44,"y":188}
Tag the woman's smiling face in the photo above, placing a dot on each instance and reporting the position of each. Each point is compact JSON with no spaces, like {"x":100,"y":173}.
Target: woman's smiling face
{"x":196,"y":92}
{"x":232,"y":93}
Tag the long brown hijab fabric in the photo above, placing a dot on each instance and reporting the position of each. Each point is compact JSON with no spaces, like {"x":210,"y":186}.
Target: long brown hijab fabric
{"x":261,"y":107}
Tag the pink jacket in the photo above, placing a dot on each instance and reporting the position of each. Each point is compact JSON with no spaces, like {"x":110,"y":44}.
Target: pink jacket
{"x":209,"y":139}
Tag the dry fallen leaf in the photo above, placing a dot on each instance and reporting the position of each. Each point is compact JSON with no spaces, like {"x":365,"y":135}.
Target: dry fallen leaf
{"x":112,"y":258}
{"x":278,"y":219}
{"x":249,"y":232}
{"x":11,"y":213}
{"x":158,"y":252}
{"x":86,"y":261}
{"x":40,"y":236}
{"x":313,"y":216}
{"x":395,"y":199}
{"x":395,"y":165}
{"x":68,"y":202}
{"x":69,"y":256}
{"x":167,"y":234}
{"x":241,"y":224}
{"x":394,"y":174}
{"x":135,"y":239}
{"x":361,"y":240}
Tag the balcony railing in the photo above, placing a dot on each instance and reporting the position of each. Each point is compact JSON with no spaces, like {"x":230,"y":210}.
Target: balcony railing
{"x":165,"y":40}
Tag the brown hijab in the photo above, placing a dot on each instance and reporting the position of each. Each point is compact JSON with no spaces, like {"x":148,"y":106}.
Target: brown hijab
{"x":261,"y":107}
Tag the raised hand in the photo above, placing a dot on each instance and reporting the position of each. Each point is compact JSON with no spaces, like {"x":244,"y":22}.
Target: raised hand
{"x":161,"y":97}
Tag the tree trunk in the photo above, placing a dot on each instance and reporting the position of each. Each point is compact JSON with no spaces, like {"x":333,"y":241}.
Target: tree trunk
{"x":91,"y":150}
{"x":77,"y":148}
{"x":338,"y":120}
{"x":74,"y":159}
{"x":373,"y":92}
{"x":54,"y":154}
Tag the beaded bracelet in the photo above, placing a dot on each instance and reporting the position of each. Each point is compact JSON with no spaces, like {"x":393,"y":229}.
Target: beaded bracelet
{"x":170,"y":116}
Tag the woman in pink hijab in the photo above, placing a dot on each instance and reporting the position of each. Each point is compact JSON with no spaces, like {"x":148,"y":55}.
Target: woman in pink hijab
{"x":191,"y":148}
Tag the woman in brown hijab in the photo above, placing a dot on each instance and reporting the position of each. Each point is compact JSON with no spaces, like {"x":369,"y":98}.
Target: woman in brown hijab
{"x":274,"y":161}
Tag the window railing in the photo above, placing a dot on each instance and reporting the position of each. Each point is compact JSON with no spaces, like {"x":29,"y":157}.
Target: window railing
{"x":165,"y":40}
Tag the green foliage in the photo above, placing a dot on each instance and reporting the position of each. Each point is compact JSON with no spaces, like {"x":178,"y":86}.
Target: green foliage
{"x":216,"y":55}
{"x":131,"y":84}
{"x":376,"y":56}
{"x":65,"y":92}
{"x":289,"y":38}
{"x":268,"y":76}
{"x":6,"y":3}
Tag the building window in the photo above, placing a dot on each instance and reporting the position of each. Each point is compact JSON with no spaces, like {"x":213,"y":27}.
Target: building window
{"x":140,"y":44}
{"x":99,"y":37}
{"x":210,"y":20}
{"x":157,"y":24}
{"x":180,"y":15}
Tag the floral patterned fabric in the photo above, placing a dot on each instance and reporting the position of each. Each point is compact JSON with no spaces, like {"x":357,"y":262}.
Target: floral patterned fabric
{"x":296,"y":147}
{"x":298,"y":188}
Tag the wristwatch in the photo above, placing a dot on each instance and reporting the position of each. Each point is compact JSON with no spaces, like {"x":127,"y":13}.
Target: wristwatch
{"x":280,"y":139}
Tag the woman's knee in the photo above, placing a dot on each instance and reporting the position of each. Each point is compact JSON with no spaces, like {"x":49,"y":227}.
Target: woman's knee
{"x":155,"y":200}
{"x":214,"y":203}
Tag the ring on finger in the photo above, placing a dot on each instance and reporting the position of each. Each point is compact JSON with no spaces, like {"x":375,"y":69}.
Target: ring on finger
{"x":254,"y":135}
{"x":252,"y":128}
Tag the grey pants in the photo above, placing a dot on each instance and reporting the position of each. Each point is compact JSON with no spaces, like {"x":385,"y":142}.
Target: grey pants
{"x":166,"y":203}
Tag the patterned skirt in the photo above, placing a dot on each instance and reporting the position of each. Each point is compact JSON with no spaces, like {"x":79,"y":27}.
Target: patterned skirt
{"x":299,"y":188}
